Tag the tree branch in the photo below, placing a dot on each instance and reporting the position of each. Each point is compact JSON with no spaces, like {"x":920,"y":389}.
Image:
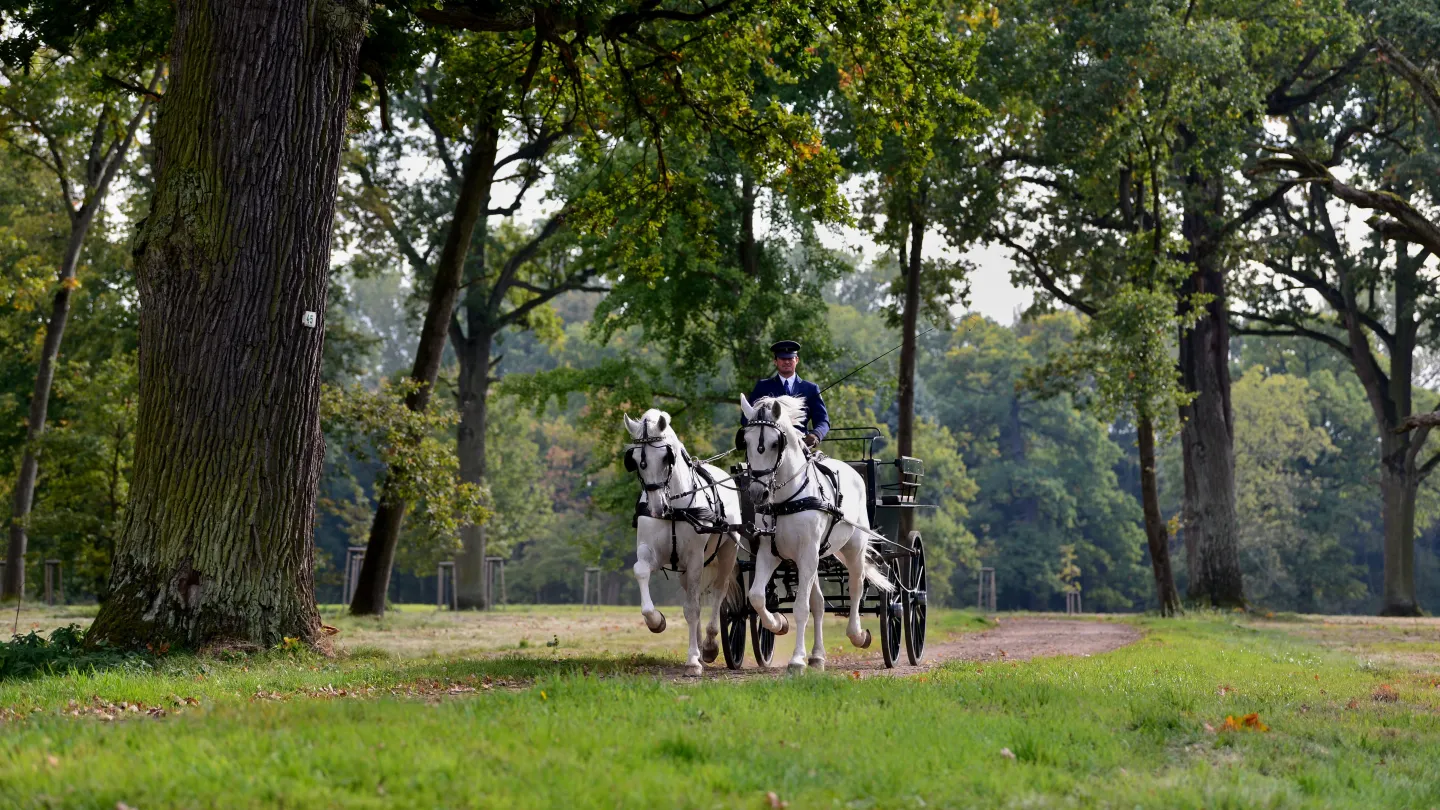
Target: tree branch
{"x":495,"y":17}
{"x":1406,"y":222}
{"x":441,"y":147}
{"x":1278,"y":103}
{"x":1419,"y":420}
{"x":523,"y":254}
{"x":1425,"y":87}
{"x":629,"y":21}
{"x":1424,"y":470}
{"x":1286,"y":329}
{"x":421,"y":264}
{"x":575,"y":282}
{"x":1048,"y":282}
{"x":145,"y":92}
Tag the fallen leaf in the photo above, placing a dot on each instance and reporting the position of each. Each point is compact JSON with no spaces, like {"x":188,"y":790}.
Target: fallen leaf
{"x":1007,"y":753}
{"x":1250,"y":721}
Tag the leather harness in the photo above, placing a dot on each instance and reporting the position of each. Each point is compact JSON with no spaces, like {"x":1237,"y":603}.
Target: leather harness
{"x":702,"y":519}
{"x":795,"y":504}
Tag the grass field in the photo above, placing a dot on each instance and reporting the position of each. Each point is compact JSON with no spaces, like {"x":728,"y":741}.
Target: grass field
{"x":403,"y":718}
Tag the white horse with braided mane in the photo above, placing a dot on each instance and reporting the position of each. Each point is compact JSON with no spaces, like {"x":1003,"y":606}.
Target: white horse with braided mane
{"x":784,"y":478}
{"x":686,"y":527}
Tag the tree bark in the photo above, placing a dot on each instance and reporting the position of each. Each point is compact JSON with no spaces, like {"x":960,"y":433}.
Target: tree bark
{"x":910,"y":316}
{"x":470,"y":205}
{"x":1398,"y":486}
{"x":909,"y":319}
{"x":1156,"y":534}
{"x":1207,"y":433}
{"x":218,"y":541}
{"x":97,"y":185}
{"x":474,"y":356}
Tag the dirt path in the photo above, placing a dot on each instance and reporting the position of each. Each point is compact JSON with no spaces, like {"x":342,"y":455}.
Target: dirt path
{"x":1013,"y":640}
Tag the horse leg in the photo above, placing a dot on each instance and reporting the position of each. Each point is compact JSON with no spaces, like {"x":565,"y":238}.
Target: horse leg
{"x":817,"y":614}
{"x":853,"y":555}
{"x":720,"y":580}
{"x":691,"y":579}
{"x":644,"y":563}
{"x":765,"y":565}
{"x":806,"y":563}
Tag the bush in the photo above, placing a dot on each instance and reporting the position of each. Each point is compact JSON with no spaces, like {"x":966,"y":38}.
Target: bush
{"x":33,"y":655}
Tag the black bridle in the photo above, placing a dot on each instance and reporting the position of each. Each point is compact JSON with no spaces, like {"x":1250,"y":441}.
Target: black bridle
{"x":694,"y":516}
{"x":646,"y":440}
{"x":760,"y":475}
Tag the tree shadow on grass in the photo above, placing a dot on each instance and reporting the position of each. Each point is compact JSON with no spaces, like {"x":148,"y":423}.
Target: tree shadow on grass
{"x":521,"y":668}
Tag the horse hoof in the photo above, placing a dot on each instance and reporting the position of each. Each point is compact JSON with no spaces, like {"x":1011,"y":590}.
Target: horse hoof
{"x":795,"y":669}
{"x":865,"y":645}
{"x":694,"y":670}
{"x":784,"y":626}
{"x":655,"y":629}
{"x":817,"y":664}
{"x":709,"y":651}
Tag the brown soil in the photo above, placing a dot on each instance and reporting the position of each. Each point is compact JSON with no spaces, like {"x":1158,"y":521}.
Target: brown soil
{"x":1014,"y":640}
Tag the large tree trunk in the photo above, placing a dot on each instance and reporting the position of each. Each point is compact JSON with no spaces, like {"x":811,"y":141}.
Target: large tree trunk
{"x":470,"y":204}
{"x":218,"y":541}
{"x":909,"y":319}
{"x":1398,"y":486}
{"x":474,"y":356}
{"x":1208,"y":435}
{"x":1156,"y":534}
{"x":910,"y":316}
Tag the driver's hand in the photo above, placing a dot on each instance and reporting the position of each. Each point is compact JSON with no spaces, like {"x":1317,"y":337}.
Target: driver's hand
{"x":811,"y":440}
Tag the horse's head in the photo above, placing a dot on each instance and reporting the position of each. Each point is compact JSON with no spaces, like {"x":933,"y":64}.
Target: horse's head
{"x":652,"y":455}
{"x":769,"y":440}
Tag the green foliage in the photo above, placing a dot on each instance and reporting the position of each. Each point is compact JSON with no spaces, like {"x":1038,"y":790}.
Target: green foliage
{"x":63,"y":654}
{"x":1123,"y":360}
{"x":1289,"y":561}
{"x":1046,"y":473}
{"x":420,"y":465}
{"x":86,"y":457}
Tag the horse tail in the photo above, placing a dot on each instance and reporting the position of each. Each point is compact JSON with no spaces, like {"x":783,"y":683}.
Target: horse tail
{"x":871,"y":562}
{"x":733,"y":591}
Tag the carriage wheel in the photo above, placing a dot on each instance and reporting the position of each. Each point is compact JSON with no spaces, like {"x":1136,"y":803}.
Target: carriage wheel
{"x":916,"y":600}
{"x":732,"y":633}
{"x":891,"y":617}
{"x":762,"y":641}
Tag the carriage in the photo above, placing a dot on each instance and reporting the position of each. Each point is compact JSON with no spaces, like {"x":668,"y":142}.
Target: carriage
{"x":890,"y":489}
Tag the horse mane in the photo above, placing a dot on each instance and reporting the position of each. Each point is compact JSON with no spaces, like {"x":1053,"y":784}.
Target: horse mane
{"x":650,"y":417}
{"x":792,"y":413}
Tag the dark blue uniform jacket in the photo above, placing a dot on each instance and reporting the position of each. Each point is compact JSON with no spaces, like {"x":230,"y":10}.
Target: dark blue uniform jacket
{"x":815,"y":414}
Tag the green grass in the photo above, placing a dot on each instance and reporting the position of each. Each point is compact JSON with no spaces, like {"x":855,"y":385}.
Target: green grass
{"x":1126,"y":729}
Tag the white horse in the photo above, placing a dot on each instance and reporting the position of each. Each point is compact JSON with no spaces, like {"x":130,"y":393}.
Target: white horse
{"x":783,"y":475}
{"x":678,"y":504}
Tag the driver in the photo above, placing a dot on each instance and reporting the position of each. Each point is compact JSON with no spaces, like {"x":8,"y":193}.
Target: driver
{"x":787,"y":383}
